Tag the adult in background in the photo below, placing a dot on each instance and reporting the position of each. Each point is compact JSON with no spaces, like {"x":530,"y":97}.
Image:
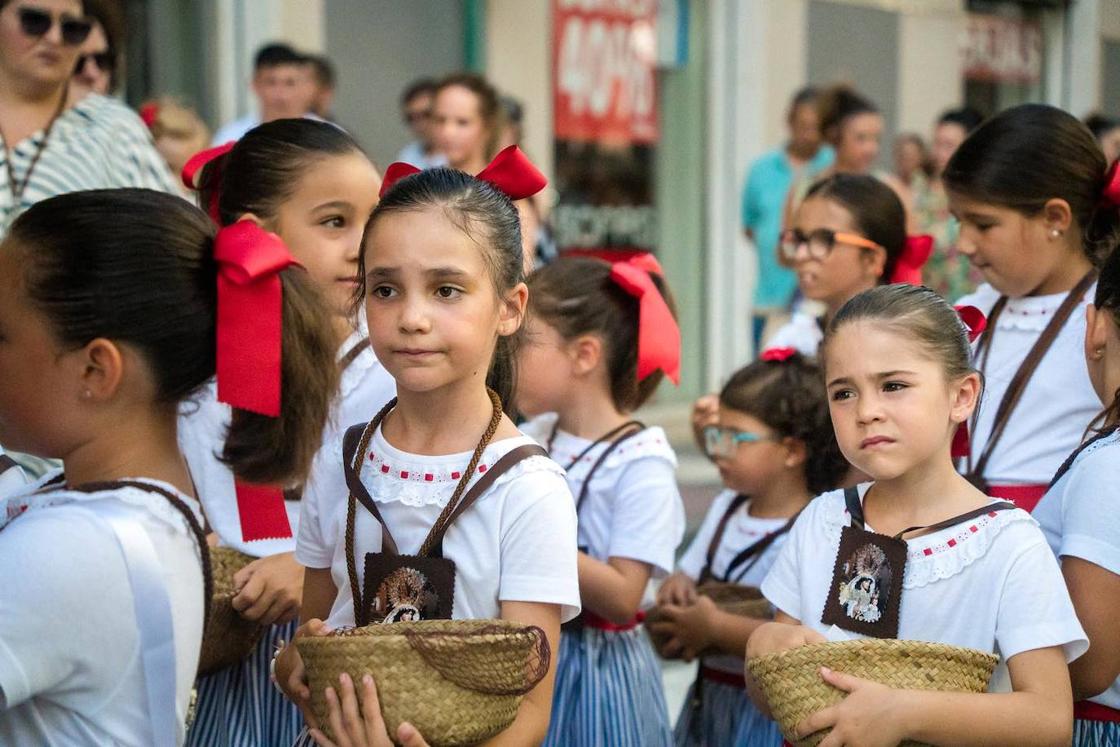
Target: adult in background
{"x":282,"y":85}
{"x":769,"y":180}
{"x":416,"y":110}
{"x":50,"y":149}
{"x":99,"y":57}
{"x":947,"y":272}
{"x":323,"y":78}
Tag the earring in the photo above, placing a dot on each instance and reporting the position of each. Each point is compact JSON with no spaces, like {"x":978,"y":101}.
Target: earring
{"x":1055,"y":233}
{"x":87,"y":394}
{"x":1098,"y":354}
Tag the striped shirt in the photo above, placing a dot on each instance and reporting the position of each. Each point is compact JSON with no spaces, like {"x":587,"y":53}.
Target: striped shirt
{"x":98,"y":144}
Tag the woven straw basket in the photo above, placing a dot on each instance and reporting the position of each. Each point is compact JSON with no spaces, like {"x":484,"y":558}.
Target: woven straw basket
{"x":793,"y":686}
{"x":458,"y":682}
{"x":229,"y":636}
{"x":734,"y":598}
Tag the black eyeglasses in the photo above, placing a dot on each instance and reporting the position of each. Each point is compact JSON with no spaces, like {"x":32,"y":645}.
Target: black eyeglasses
{"x":36,"y":22}
{"x":104,"y":60}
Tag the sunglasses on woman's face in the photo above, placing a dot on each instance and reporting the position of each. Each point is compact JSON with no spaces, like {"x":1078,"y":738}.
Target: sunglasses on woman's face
{"x":821,"y":242}
{"x":103,"y":60}
{"x":35,"y":22}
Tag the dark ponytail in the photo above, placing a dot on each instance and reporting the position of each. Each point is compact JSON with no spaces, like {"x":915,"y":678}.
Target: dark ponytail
{"x":1107,"y":301}
{"x":263,"y":169}
{"x":1030,"y":154}
{"x":577,"y":296}
{"x":483,"y":213}
{"x":137,"y":267}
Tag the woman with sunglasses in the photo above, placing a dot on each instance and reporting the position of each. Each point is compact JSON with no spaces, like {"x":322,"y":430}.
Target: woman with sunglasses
{"x":96,"y":69}
{"x":48,"y":148}
{"x":847,"y":236}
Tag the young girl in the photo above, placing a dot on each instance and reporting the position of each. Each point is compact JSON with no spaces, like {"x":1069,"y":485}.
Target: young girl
{"x":105,"y":327}
{"x":920,"y":553}
{"x":1079,"y":517}
{"x":309,"y":183}
{"x":441,"y":282}
{"x":466,"y":120}
{"x":1027,"y":188}
{"x":775,"y":449}
{"x":601,"y":338}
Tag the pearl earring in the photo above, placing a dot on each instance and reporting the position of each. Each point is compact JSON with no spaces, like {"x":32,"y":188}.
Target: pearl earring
{"x":1055,"y":233}
{"x":87,"y":394}
{"x":1098,"y":354}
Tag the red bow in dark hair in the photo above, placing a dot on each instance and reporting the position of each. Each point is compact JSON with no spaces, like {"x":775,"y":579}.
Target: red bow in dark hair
{"x":659,"y":337}
{"x":511,"y":172}
{"x":195,"y":165}
{"x":1111,"y":193}
{"x":915,"y":253}
{"x":777,"y":355}
{"x":249,"y":333}
{"x":975,"y":322}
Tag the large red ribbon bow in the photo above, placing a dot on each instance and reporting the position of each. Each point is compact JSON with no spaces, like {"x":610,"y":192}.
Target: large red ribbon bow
{"x":659,"y":337}
{"x":192,"y":168}
{"x":511,"y":172}
{"x":975,"y":323}
{"x":777,"y":355}
{"x":1111,"y":193}
{"x":915,"y":253}
{"x":249,"y":332}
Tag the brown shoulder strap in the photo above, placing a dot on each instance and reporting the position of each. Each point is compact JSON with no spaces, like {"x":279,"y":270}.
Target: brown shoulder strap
{"x":717,"y":536}
{"x":1029,"y":365}
{"x":7,"y":463}
{"x":350,"y":443}
{"x":620,"y":436}
{"x":353,"y":353}
{"x":434,"y":542}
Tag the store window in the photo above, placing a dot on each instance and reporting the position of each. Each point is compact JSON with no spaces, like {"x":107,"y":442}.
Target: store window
{"x":1004,"y":52}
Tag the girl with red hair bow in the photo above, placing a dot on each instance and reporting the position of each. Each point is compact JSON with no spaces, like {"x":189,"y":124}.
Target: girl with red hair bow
{"x":601,"y":337}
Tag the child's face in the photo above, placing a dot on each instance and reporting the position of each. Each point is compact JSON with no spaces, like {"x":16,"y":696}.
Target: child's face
{"x":545,"y":368}
{"x":891,"y":405}
{"x":749,"y":466}
{"x":847,"y":269}
{"x":1012,"y":251}
{"x":858,"y":147}
{"x":323,"y":220}
{"x":434,"y":314}
{"x":1102,"y":352}
{"x":38,"y":387}
{"x":457,"y":126}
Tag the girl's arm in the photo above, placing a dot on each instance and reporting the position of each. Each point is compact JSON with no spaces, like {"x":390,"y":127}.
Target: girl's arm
{"x":1038,"y":712}
{"x":701,"y":625}
{"x":318,"y":596}
{"x":531,"y":724}
{"x":1096,"y":597}
{"x":612,"y":590}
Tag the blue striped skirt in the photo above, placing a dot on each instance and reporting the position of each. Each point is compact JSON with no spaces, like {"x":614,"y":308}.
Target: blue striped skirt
{"x":725,"y":716}
{"x":239,"y":707}
{"x":1096,"y":733}
{"x":608,"y":692}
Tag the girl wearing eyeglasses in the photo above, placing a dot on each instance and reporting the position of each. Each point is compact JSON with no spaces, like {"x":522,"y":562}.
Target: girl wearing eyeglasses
{"x":846,"y":237}
{"x":775,"y":449}
{"x":50,"y":149}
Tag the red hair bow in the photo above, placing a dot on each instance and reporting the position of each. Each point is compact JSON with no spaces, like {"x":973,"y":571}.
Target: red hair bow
{"x":195,"y":165}
{"x":973,"y":319}
{"x":915,"y":254}
{"x":647,"y":262}
{"x":511,"y":172}
{"x":149,"y":113}
{"x":778,"y":355}
{"x":1111,"y":193}
{"x":659,"y":337}
{"x":249,"y":332}
{"x":975,"y":322}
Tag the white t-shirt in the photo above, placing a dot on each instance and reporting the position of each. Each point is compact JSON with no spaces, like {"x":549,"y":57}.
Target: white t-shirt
{"x":802,"y":332}
{"x":990,"y":584}
{"x":364,"y":389}
{"x":516,"y":543}
{"x":11,"y":478}
{"x":742,"y":531}
{"x":633,"y":507}
{"x":70,"y":667}
{"x":1080,"y":517}
{"x":1058,"y":403}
